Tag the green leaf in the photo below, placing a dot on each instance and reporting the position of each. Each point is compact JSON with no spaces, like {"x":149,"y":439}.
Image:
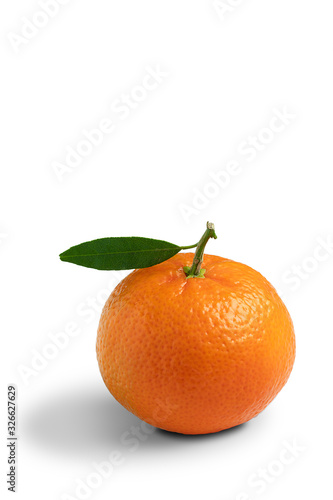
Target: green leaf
{"x":120,"y":253}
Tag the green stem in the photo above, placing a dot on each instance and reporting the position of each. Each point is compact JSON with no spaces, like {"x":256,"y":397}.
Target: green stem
{"x":195,"y":270}
{"x":190,"y":246}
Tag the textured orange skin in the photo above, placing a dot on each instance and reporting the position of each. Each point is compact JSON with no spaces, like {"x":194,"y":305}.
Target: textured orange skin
{"x":197,"y":355}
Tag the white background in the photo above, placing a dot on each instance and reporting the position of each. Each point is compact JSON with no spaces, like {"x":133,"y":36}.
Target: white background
{"x":226,"y":75}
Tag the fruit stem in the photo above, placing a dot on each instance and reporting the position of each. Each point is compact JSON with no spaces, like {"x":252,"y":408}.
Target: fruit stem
{"x":195,"y":270}
{"x":190,"y":246}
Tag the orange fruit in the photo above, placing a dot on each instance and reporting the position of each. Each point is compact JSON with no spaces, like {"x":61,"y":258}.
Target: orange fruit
{"x":196,"y":355}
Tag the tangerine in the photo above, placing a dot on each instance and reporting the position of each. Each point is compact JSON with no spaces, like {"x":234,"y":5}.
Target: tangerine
{"x":199,"y":355}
